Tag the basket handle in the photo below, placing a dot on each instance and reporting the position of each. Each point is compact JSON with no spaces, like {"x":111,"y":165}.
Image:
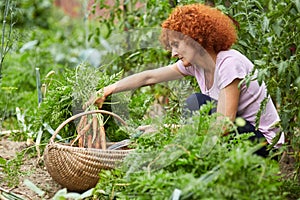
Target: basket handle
{"x":83,"y":114}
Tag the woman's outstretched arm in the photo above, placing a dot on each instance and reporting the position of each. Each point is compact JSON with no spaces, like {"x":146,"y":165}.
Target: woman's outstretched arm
{"x":145,"y":78}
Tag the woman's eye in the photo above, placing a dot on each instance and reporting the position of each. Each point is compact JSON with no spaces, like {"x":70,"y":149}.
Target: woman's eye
{"x":174,"y":44}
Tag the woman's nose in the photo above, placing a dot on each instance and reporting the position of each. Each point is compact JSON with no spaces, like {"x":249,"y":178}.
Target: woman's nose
{"x":174,"y":53}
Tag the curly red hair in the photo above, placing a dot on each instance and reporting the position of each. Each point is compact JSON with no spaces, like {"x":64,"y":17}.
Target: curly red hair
{"x":212,"y":29}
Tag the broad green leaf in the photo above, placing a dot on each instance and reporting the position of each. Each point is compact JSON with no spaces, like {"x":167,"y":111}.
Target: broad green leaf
{"x":33,"y":187}
{"x":282,"y":67}
{"x":278,"y":96}
{"x":251,"y":30}
{"x":265,"y":24}
{"x":72,"y":195}
{"x":243,"y":43}
{"x":297,"y":3}
{"x":258,"y":4}
{"x":260,"y":62}
{"x":29,"y":45}
{"x":2,"y":161}
{"x":59,"y":194}
{"x":277,"y":28}
{"x":87,"y":194}
{"x":297,"y":82}
{"x":270,"y":39}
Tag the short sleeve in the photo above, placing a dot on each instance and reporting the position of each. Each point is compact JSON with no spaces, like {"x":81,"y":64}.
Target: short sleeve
{"x":184,"y":70}
{"x":229,"y":70}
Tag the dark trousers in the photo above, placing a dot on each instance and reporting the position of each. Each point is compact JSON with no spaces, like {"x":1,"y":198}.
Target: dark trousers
{"x":195,"y":101}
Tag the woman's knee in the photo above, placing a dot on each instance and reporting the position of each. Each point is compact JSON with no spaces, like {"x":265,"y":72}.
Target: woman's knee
{"x":196,"y":100}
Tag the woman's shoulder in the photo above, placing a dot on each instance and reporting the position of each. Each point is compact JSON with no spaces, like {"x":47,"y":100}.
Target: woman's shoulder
{"x":230,"y":53}
{"x":233,"y":56}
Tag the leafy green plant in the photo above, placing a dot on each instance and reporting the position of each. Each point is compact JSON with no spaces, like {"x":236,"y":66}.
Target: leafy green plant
{"x":19,"y":82}
{"x":33,"y":13}
{"x":195,"y":161}
{"x":65,"y":95}
{"x":130,"y":15}
{"x":291,"y":188}
{"x":12,"y":169}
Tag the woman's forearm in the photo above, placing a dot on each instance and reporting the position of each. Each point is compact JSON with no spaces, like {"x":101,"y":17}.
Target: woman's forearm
{"x":135,"y":81}
{"x":144,"y":78}
{"x":132,"y":82}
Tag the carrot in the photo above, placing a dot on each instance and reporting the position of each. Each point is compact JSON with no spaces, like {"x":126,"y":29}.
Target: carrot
{"x":80,"y":125}
{"x":102,"y":137}
{"x":80,"y":140}
{"x":89,"y":141}
{"x":95,"y":128}
{"x":81,"y":134}
{"x":97,"y":142}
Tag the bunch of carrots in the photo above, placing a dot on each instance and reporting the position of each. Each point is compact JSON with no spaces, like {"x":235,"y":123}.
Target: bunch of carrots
{"x":91,"y":132}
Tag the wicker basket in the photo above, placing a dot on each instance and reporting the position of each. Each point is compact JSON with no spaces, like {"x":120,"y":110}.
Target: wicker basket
{"x":77,"y":168}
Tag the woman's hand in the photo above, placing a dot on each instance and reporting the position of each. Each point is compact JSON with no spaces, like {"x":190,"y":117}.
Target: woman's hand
{"x":147,"y":129}
{"x":91,"y":101}
{"x":99,"y":97}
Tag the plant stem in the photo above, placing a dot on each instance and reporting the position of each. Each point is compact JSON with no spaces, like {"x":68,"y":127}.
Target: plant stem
{"x":86,"y":21}
{"x":5,"y":47}
{"x":3,"y":36}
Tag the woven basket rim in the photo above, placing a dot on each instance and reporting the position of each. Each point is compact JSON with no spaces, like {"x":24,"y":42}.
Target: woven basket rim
{"x":85,"y":149}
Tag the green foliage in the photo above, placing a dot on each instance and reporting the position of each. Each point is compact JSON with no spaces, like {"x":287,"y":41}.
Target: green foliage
{"x":33,"y":48}
{"x":63,"y":194}
{"x":12,"y":169}
{"x":9,"y":195}
{"x":139,"y":104}
{"x":18,"y":86}
{"x":291,"y":188}
{"x":57,"y":103}
{"x":130,"y":15}
{"x":195,"y":160}
{"x":65,"y":95}
{"x":33,"y":13}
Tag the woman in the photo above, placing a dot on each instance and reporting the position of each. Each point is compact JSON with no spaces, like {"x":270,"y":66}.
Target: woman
{"x":201,"y":37}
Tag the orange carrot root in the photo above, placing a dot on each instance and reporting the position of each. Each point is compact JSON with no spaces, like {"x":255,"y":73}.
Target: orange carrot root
{"x":79,"y":127}
{"x":95,"y":130}
{"x":89,"y":141}
{"x":81,"y":135}
{"x":102,"y":137}
{"x":97,"y":140}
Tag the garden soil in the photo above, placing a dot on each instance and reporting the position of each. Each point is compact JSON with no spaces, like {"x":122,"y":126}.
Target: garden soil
{"x":32,"y":169}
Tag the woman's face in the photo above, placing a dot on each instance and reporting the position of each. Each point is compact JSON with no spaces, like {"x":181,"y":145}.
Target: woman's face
{"x":182,"y":51}
{"x":189,"y":54}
